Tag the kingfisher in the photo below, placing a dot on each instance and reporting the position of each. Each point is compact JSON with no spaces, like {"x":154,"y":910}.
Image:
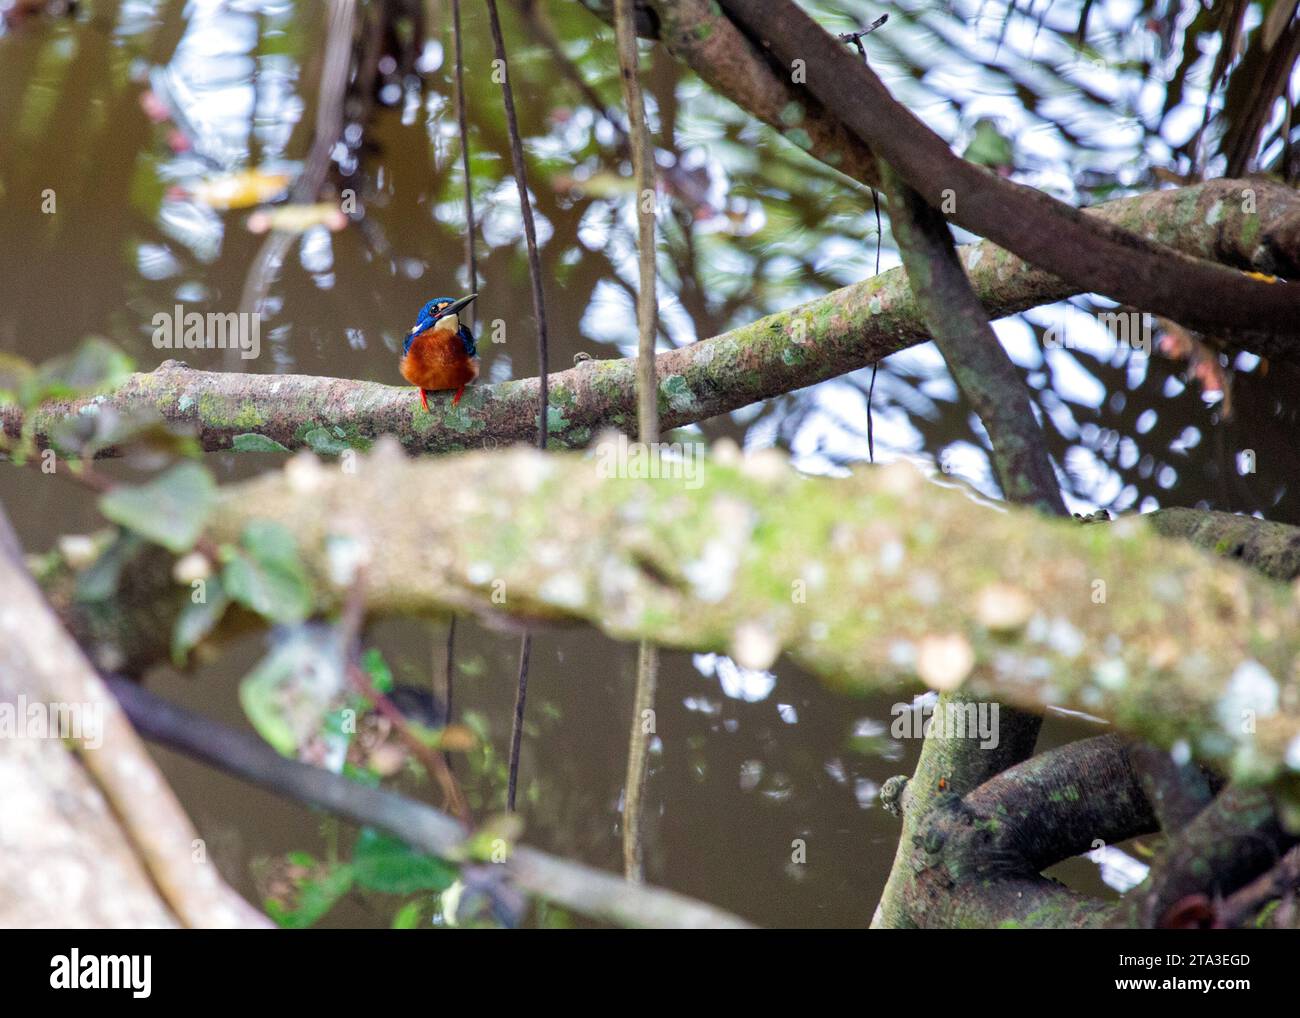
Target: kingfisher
{"x":439,"y":353}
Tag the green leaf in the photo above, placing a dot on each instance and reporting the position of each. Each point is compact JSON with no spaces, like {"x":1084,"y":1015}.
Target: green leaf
{"x":407,"y":917}
{"x":385,"y":864}
{"x":15,"y":372}
{"x":99,"y":581}
{"x":290,"y":693}
{"x":374,"y":665}
{"x":266,"y":575}
{"x":197,"y":620}
{"x":171,"y":510}
{"x":323,"y":443}
{"x":315,"y":897}
{"x":95,"y":366}
{"x":252,"y":442}
{"x":258,"y":695}
{"x":497,"y":832}
{"x":100,"y":426}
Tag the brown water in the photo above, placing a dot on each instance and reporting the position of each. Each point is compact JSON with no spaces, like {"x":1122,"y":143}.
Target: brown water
{"x":743,"y":765}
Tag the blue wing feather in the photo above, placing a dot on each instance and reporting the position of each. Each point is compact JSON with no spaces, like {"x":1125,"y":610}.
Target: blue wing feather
{"x":467,"y":338}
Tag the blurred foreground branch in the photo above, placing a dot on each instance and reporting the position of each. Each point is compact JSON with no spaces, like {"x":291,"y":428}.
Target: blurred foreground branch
{"x":871,"y":582}
{"x":91,"y":835}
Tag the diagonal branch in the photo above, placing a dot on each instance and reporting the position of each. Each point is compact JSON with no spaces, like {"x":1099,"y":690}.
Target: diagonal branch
{"x":979,"y":365}
{"x":585,"y":890}
{"x":1093,"y":255}
{"x":111,"y":786}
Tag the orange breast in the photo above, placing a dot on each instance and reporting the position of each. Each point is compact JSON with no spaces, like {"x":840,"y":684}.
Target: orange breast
{"x":437,"y":360}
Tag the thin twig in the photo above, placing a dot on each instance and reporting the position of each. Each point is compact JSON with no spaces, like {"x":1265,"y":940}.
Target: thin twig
{"x":875,"y":365}
{"x":471,"y":273}
{"x":647,"y":672}
{"x":647,"y":681}
{"x":539,"y":312}
{"x":462,"y":120}
{"x":448,"y":669}
{"x":643,"y":170}
{"x":526,"y":211}
{"x":517,"y":728}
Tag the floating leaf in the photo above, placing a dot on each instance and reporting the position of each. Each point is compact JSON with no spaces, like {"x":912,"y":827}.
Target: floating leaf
{"x":242,"y":189}
{"x":298,"y":218}
{"x":171,"y":510}
{"x":598,"y":185}
{"x":266,"y":575}
{"x":385,"y":864}
{"x":197,"y":619}
{"x":252,"y":442}
{"x":456,"y":739}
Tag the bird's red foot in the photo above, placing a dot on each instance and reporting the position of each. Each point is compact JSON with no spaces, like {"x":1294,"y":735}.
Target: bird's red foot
{"x":424,"y":400}
{"x":456,"y":398}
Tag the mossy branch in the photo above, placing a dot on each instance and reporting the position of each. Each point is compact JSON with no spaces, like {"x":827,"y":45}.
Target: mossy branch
{"x":877,"y":581}
{"x":1245,"y":223}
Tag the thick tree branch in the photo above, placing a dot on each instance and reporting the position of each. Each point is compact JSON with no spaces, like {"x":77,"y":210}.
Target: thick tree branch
{"x":1233,"y":840}
{"x":978,"y":860}
{"x":1271,"y":548}
{"x":647,"y":302}
{"x":975,"y":358}
{"x":1166,"y":641}
{"x":699,"y":34}
{"x":846,"y":330}
{"x":1177,"y":791}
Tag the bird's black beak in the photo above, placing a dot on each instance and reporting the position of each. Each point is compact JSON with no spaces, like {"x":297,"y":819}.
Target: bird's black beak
{"x":456,"y":306}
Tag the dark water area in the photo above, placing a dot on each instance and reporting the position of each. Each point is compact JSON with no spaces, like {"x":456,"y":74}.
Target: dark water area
{"x":744,"y":765}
